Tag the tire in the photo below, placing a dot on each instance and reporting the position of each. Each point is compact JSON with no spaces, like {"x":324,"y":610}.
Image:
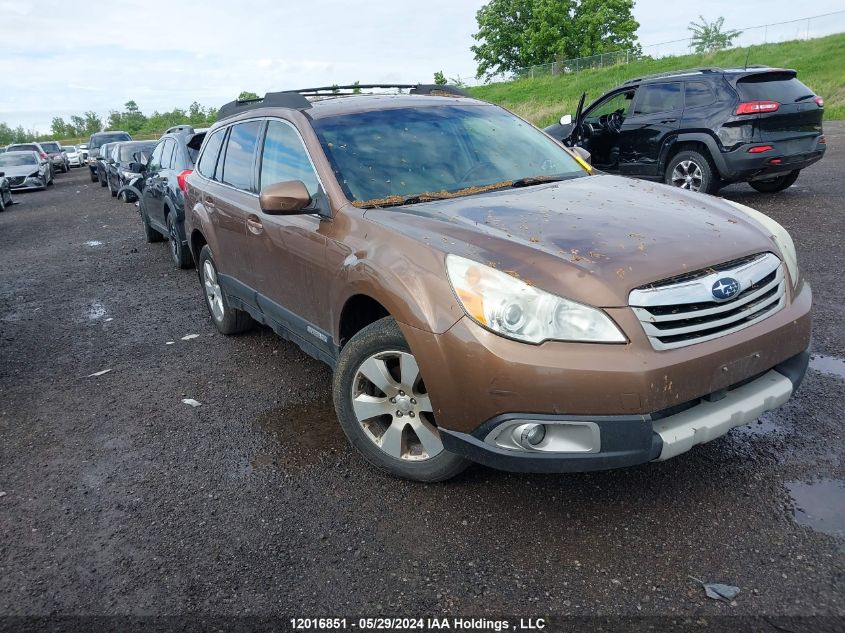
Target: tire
{"x":111,"y":191}
{"x":693,"y":171}
{"x":94,"y":176}
{"x":2,"y":203}
{"x":227,"y":319}
{"x":178,"y":251}
{"x":403,"y":442}
{"x":776,"y":184}
{"x":150,"y":233}
{"x":103,"y":181}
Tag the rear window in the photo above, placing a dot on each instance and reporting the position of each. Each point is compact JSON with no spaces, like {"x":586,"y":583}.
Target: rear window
{"x":101,"y":139}
{"x":773,"y":87}
{"x":51,"y":147}
{"x":23,"y":148}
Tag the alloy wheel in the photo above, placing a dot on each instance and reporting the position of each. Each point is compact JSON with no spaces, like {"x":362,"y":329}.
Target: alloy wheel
{"x":174,"y":240}
{"x":212,"y":291}
{"x":393,"y":408}
{"x":687,"y":175}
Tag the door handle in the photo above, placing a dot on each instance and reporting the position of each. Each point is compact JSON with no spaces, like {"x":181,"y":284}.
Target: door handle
{"x":254,"y":225}
{"x":209,"y":202}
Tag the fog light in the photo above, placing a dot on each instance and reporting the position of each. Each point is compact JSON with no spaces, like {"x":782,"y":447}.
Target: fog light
{"x":533,"y":434}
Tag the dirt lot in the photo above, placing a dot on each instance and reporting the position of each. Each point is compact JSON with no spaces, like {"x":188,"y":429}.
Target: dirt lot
{"x":121,"y":499}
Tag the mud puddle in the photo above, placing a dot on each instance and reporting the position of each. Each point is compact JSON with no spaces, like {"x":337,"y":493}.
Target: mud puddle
{"x":301,"y":435}
{"x":830,"y":365}
{"x":820,"y":505}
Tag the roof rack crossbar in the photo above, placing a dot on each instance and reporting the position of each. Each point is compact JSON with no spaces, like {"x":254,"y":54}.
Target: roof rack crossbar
{"x":287,"y":99}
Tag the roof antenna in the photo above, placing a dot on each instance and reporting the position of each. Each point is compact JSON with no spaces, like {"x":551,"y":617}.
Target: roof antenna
{"x":746,"y":58}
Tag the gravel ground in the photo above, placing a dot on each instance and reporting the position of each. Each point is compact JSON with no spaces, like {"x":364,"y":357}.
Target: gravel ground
{"x":120,"y":499}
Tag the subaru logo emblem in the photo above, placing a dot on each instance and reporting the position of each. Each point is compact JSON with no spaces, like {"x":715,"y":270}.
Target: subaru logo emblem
{"x":725,"y":288}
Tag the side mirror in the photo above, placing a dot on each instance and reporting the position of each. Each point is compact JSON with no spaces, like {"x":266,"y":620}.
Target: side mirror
{"x":2,"y":173}
{"x":284,"y":198}
{"x":566,"y":119}
{"x":584,"y":154}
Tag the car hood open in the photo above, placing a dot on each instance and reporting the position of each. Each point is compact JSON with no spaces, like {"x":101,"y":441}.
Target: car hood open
{"x":592,"y":239}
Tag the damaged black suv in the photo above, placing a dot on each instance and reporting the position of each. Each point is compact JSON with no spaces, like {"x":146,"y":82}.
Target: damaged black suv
{"x":703,"y":128}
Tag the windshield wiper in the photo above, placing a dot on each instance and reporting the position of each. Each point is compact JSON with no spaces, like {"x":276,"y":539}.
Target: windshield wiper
{"x":536,"y":180}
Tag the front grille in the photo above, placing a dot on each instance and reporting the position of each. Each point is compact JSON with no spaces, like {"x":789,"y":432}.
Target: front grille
{"x":16,"y":180}
{"x":684,"y":312}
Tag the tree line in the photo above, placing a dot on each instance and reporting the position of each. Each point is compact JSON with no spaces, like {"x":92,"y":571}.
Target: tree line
{"x":130,"y":119}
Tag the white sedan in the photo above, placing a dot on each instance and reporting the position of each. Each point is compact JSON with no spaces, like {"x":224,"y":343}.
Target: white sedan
{"x":74,"y":156}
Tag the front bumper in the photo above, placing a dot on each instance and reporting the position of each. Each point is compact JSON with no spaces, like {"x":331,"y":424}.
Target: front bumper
{"x":784,"y":157}
{"x":477,"y":380}
{"x":30,"y":182}
{"x":630,"y":440}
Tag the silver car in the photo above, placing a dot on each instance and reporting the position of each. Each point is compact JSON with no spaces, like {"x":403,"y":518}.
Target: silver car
{"x":26,"y":170}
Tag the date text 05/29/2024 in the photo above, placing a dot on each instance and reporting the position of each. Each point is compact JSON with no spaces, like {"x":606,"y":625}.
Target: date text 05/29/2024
{"x":416,"y":624}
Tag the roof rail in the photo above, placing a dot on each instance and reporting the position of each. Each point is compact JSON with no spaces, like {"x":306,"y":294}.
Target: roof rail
{"x":675,"y":73}
{"x":416,"y":89}
{"x":180,"y":128}
{"x":296,"y":99}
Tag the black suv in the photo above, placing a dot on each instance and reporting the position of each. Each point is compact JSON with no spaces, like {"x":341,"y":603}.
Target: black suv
{"x":703,"y":128}
{"x":162,"y":190}
{"x":97,"y":140}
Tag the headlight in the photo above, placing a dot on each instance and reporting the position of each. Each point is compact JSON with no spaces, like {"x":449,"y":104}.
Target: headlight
{"x":779,"y":234}
{"x":129,"y":175}
{"x":512,"y":308}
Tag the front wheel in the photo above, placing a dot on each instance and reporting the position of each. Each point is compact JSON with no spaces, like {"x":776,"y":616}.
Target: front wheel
{"x":384,"y":408}
{"x":228,"y":320}
{"x":103,"y":180}
{"x":93,"y":176}
{"x":692,"y":171}
{"x":150,"y":234}
{"x":774,"y":185}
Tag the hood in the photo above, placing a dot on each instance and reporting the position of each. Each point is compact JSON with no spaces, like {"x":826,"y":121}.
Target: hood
{"x":19,"y":170}
{"x":592,"y":239}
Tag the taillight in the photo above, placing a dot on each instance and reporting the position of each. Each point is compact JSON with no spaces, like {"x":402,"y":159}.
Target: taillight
{"x":819,"y":102}
{"x":756,"y":107}
{"x":42,"y":155}
{"x":822,"y":141}
{"x":183,"y":185}
{"x":759,"y":149}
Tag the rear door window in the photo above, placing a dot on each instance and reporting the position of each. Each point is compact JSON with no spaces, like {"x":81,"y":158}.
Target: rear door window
{"x":208,"y":160}
{"x":155,"y":159}
{"x":167,"y":154}
{"x":697,"y":94}
{"x":773,"y":87}
{"x":656,"y":98}
{"x":239,"y":158}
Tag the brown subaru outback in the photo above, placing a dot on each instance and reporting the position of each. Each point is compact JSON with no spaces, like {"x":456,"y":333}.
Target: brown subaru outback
{"x":481,"y":295}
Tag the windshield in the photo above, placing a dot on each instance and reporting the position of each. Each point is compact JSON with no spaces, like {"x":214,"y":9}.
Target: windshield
{"x":128,"y":150}
{"x":101,"y":139}
{"x":70,"y":149}
{"x":17,"y":159}
{"x":387,"y":156}
{"x":51,"y":147}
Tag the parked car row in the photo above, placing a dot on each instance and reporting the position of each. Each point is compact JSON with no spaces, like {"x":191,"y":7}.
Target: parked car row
{"x":480,"y":291}
{"x":33,"y":165}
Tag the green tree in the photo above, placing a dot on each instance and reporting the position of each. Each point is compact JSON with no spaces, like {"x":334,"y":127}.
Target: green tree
{"x":59,"y":128}
{"x":246,"y":95}
{"x":440,"y":78}
{"x":515,"y":34}
{"x":356,"y":87}
{"x":709,"y":36}
{"x":93,"y":123}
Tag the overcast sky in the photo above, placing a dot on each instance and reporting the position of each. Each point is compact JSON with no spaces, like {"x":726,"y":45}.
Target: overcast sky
{"x":61,"y":58}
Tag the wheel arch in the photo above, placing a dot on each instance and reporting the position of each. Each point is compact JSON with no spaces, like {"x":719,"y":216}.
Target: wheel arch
{"x":697,"y":141}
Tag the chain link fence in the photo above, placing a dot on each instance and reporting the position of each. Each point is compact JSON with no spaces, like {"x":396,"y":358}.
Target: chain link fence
{"x":798,"y":29}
